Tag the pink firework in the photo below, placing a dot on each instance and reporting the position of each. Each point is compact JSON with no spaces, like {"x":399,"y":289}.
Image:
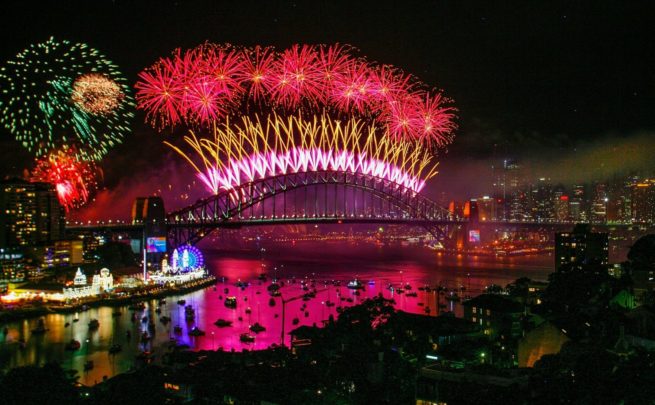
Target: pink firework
{"x":203,"y":100}
{"x":161,"y":92}
{"x":299,"y":77}
{"x":434,"y":121}
{"x":259,"y":71}
{"x":297,"y":160}
{"x":226,"y":67}
{"x":353,"y":91}
{"x":211,"y":81}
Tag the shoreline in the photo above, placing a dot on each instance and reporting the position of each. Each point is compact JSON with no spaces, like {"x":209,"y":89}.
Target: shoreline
{"x":34,"y":312}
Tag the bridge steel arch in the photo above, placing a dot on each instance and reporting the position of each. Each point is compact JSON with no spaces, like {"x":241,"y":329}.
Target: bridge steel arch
{"x":236,"y":207}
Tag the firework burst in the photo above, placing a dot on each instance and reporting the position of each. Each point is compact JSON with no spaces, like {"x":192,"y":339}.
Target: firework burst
{"x":73,"y":179}
{"x":252,"y":150}
{"x":300,"y":78}
{"x":57,"y":93}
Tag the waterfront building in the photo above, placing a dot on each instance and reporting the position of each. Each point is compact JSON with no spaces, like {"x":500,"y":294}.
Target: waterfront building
{"x":542,"y":201}
{"x":599,"y":203}
{"x":30,"y":214}
{"x":643,"y":201}
{"x":580,"y":247}
{"x":13,"y":266}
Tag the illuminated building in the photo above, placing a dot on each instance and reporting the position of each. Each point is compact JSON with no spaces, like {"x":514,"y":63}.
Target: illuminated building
{"x":542,"y":201}
{"x":150,"y":212}
{"x":496,"y":315}
{"x":30,"y":214}
{"x":560,"y":205}
{"x":577,"y":204}
{"x":643,"y":201}
{"x":599,"y":203}
{"x":12,"y":264}
{"x":487,"y":209}
{"x":581,"y":247}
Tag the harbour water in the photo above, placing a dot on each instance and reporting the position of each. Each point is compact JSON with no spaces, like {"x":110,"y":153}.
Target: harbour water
{"x":319,"y":266}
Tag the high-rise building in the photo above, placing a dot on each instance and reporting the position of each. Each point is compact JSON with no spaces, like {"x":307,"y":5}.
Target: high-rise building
{"x":560,"y":204}
{"x":580,"y":247}
{"x":578,"y":204}
{"x":487,"y":208}
{"x":30,"y":214}
{"x":542,"y":201}
{"x":643,"y":201}
{"x":599,"y":203}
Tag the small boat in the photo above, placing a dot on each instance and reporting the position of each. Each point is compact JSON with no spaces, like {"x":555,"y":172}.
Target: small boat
{"x":162,"y":302}
{"x":275,"y":293}
{"x":257,"y":328}
{"x":241,"y":284}
{"x":329,"y":304}
{"x":262,"y":276}
{"x":226,"y":290}
{"x":222,"y":323}
{"x":94,"y":324}
{"x":164,"y":319}
{"x":158,"y":310}
{"x":195,"y":331}
{"x":115,"y":348}
{"x":181,"y":302}
{"x":411,"y":294}
{"x":189,"y":313}
{"x":355,"y":285}
{"x":73,"y":345}
{"x":349,"y":300}
{"x":271,"y":302}
{"x":88,"y":365}
{"x":408,"y":287}
{"x":67,"y":324}
{"x":85,"y":308}
{"x":427,"y":310}
{"x":231,"y":302}
{"x":246,"y":338}
{"x":295,"y":321}
{"x":144,"y":319}
{"x":40,"y":328}
{"x":274,"y":286}
{"x":177,"y":329}
{"x":248,"y":310}
{"x":306,"y":314}
{"x":420,"y":304}
{"x":76,"y":320}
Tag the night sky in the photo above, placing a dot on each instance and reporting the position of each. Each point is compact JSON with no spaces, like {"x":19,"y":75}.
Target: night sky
{"x":547,"y":83}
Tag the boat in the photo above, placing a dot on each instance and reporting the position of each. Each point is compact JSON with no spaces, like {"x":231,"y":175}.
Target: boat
{"x":274,"y":286}
{"x":40,"y":327}
{"x":271,"y":302}
{"x":67,"y":324}
{"x":164,"y":319}
{"x":411,"y":294}
{"x":181,"y":302}
{"x":177,"y":329}
{"x":115,"y":348}
{"x":88,"y":365}
{"x":144,"y":319}
{"x":222,"y":323}
{"x":226,"y":290}
{"x":94,"y":324}
{"x":195,"y":331}
{"x":246,"y":338}
{"x":158,"y":310}
{"x":329,"y":304}
{"x":355,"y":285}
{"x":427,"y":310}
{"x":295,"y":321}
{"x":76,"y":320}
{"x":162,"y":301}
{"x":262,"y":276}
{"x":275,"y":293}
{"x":408,"y":287}
{"x":241,"y":284}
{"x":231,"y":302}
{"x":189,"y":313}
{"x":248,"y":310}
{"x":73,"y":345}
{"x":256,"y":328}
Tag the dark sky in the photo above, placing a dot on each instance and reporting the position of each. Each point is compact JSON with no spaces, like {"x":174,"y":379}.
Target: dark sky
{"x":533,"y":80}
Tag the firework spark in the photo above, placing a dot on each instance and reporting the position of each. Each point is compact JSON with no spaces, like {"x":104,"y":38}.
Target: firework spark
{"x":73,"y":179}
{"x":303,"y":77}
{"x":38,"y":86}
{"x":253,"y":150}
